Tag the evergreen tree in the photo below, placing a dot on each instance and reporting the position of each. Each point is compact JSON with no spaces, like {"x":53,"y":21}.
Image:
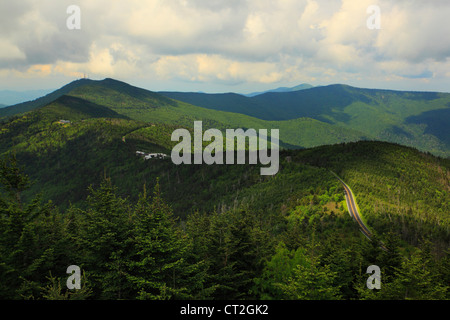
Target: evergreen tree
{"x":413,"y":280}
{"x":54,"y":290}
{"x":219,"y":250}
{"x":279,"y":269}
{"x":198,"y":227}
{"x":159,"y":269}
{"x":344,"y":262}
{"x":104,"y":240}
{"x":235,"y":252}
{"x":32,"y":236}
{"x":390,"y":259}
{"x":311,"y":281}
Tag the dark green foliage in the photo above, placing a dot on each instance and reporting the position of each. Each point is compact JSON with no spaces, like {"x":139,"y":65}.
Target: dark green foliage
{"x":33,"y":237}
{"x":417,"y":278}
{"x":161,"y":268}
{"x":104,"y":239}
{"x":213,"y":232}
{"x":310,"y":281}
{"x":126,"y":251}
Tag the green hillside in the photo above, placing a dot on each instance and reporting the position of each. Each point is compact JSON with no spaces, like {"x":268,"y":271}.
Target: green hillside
{"x":73,"y":108}
{"x":306,"y":118}
{"x":142,"y":105}
{"x":40,"y":102}
{"x":270,"y":230}
{"x":416,"y":119}
{"x":76,"y":191}
{"x":99,"y":141}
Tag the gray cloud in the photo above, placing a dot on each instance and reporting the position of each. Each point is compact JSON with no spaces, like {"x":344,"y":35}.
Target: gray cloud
{"x":38,"y":29}
{"x":214,"y":40}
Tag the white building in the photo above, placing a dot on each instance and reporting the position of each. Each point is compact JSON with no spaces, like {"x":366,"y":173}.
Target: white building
{"x":155,"y":155}
{"x":147,"y":156}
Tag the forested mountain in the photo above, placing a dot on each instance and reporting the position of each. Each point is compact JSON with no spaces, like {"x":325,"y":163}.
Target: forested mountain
{"x":225,"y":232}
{"x":302,"y":86}
{"x":417,"y":119}
{"x":305,"y":118}
{"x":75,"y":192}
{"x":143,"y":105}
{"x":42,"y":101}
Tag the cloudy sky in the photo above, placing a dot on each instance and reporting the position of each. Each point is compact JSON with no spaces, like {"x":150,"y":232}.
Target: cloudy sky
{"x":223,"y":46}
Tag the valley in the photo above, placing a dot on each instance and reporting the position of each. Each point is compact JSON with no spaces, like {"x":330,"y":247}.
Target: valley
{"x":77,"y":191}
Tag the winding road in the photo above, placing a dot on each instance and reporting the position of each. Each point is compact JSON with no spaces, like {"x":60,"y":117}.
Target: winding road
{"x":353,"y":210}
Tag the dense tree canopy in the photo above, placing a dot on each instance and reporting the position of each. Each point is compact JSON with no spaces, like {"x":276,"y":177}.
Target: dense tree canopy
{"x":138,"y":249}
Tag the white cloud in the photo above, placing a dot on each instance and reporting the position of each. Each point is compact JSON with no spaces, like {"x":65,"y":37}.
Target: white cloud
{"x":228,"y":42}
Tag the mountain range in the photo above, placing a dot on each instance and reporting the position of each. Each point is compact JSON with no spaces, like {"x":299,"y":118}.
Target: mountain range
{"x":72,"y":189}
{"x":306,"y":118}
{"x":302,"y":86}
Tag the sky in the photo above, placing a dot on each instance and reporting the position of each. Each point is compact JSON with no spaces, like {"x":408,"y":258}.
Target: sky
{"x":226,"y":46}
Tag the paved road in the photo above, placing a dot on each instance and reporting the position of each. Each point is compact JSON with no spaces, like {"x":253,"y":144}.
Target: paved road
{"x":353,"y":210}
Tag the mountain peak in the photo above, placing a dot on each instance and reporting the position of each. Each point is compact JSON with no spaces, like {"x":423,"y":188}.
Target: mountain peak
{"x":84,"y":87}
{"x":302,"y":86}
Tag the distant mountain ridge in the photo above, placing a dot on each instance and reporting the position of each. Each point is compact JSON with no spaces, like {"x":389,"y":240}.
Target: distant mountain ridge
{"x":294,"y":104}
{"x":302,"y":86}
{"x":406,"y":117}
{"x":306,"y":118}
